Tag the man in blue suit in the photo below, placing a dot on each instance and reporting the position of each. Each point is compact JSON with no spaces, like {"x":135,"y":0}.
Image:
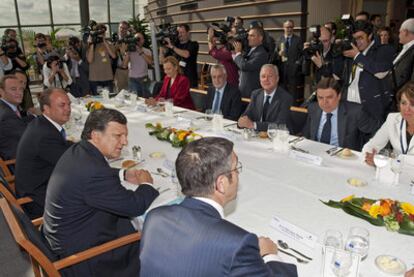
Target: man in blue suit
{"x":192,"y":238}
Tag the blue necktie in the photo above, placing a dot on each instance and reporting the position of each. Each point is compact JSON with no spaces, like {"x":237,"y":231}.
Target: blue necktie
{"x":265,"y":108}
{"x":216,"y":104}
{"x":63,"y":133}
{"x":326,"y":131}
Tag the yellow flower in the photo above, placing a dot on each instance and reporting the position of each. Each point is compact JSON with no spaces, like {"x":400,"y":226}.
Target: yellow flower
{"x":182,"y":135}
{"x":366,"y":206}
{"x":374,"y":211}
{"x":407,"y":208}
{"x":348,"y":198}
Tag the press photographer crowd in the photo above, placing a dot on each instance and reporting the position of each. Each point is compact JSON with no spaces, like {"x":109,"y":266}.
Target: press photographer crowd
{"x":369,"y":61}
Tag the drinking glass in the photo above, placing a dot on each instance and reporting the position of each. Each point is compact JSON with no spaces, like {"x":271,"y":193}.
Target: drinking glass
{"x":358,"y":241}
{"x":272,"y":131}
{"x":341,"y":262}
{"x":333,"y":238}
{"x":396,"y":168}
{"x":99,"y":90}
{"x":208,"y":115}
{"x":133,"y":100}
{"x":381,"y":160}
{"x":169,"y":107}
{"x":218,"y":123}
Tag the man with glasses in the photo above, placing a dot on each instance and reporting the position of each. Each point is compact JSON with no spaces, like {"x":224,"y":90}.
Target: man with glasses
{"x":192,"y":238}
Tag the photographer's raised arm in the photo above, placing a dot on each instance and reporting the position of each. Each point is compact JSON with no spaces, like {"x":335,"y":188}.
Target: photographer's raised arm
{"x":4,"y":59}
{"x":109,"y":49}
{"x":91,"y":50}
{"x":22,"y":62}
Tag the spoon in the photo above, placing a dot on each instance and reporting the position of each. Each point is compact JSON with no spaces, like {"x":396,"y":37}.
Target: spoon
{"x":162,"y":172}
{"x":284,"y":245}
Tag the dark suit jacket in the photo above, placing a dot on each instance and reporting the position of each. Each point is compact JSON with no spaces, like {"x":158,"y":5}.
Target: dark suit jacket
{"x":249,"y":67}
{"x":80,"y":87}
{"x":375,"y":94}
{"x":11,"y":129}
{"x":86,"y":205}
{"x":179,"y":91}
{"x":191,"y":239}
{"x":38,"y":151}
{"x":278,"y":111}
{"x":353,"y":123}
{"x":231,"y":104}
{"x":403,"y":70}
{"x":291,"y":70}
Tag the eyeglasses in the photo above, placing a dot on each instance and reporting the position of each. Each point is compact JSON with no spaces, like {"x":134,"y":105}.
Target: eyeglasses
{"x":238,"y":169}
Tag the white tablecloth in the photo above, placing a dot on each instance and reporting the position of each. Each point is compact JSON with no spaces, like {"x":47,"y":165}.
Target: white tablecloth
{"x":273,"y":184}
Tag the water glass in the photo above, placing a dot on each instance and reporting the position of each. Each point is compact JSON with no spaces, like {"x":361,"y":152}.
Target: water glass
{"x":247,"y":133}
{"x":218,"y":123}
{"x":105,"y":95}
{"x":133,"y":100}
{"x":341,"y":262}
{"x":358,"y":241}
{"x":208,"y":115}
{"x":333,"y":238}
{"x":272,"y":131}
{"x":396,"y":167}
{"x":168,"y":104}
{"x":381,"y":159}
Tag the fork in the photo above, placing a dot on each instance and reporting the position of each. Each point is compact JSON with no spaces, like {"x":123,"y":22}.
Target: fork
{"x":299,"y":260}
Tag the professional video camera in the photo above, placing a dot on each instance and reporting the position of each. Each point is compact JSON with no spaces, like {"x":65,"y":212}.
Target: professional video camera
{"x":9,"y":46}
{"x":131,"y":42}
{"x":95,"y":31}
{"x":345,"y":43}
{"x":222,"y":30}
{"x":315,"y":43}
{"x":167,"y":31}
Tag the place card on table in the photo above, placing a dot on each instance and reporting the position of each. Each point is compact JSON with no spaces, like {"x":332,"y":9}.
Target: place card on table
{"x":305,"y":157}
{"x":327,"y":263}
{"x":142,"y":108}
{"x":293,"y":231}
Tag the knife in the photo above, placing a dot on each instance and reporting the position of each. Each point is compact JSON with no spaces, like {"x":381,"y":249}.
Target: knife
{"x":337,"y":152}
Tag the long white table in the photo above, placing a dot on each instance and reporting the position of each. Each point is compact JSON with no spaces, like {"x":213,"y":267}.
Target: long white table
{"x":273,"y":184}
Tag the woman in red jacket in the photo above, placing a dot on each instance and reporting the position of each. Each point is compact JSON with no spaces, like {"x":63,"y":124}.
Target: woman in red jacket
{"x":176,"y":86}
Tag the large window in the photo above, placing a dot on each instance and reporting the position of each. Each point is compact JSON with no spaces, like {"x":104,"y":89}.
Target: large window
{"x":98,"y":10}
{"x":65,"y":11}
{"x":33,"y":12}
{"x":8,"y":13}
{"x":120,"y":10}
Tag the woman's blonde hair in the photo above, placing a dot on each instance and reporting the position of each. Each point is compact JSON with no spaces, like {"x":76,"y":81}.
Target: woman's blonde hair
{"x":172,"y":60}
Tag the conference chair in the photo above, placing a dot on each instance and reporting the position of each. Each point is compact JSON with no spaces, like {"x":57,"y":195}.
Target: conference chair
{"x":43,"y":260}
{"x":6,"y":170}
{"x":298,"y":117}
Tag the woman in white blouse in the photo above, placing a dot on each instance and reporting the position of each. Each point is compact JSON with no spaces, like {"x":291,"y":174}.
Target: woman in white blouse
{"x":398,"y":129}
{"x":56,"y":73}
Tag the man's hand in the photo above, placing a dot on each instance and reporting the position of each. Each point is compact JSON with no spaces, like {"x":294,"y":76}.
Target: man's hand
{"x":317,"y":59}
{"x":352,"y":52}
{"x":237,"y":46}
{"x":168,"y":43}
{"x":210,"y":34}
{"x":306,"y":45}
{"x":151,"y":101}
{"x":245,"y":122}
{"x":267,"y":246}
{"x":138,"y":176}
{"x":409,"y":273}
{"x":369,"y":157}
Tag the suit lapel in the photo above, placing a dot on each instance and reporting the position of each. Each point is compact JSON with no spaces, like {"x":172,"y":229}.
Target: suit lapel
{"x":259,"y":104}
{"x":225,"y":98}
{"x":274,"y":106}
{"x":315,"y":124}
{"x":341,"y":124}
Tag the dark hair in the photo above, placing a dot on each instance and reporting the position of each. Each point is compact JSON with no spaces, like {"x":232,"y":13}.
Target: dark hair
{"x":364,"y":26}
{"x":185,"y":26}
{"x":200,"y":163}
{"x":44,"y":97}
{"x":408,"y":90}
{"x":98,"y":121}
{"x":364,"y":13}
{"x":332,"y":27}
{"x":5,"y":78}
{"x":329,"y":82}
{"x":8,"y":31}
{"x":240,"y":19}
{"x":40,"y":35}
{"x":51,"y":59}
{"x":259,"y":31}
{"x":374,"y":16}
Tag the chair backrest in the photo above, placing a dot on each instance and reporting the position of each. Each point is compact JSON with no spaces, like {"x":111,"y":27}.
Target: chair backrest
{"x":7,"y":192}
{"x":6,"y":170}
{"x":30,"y":239}
{"x":298,"y":117}
{"x":199,"y":97}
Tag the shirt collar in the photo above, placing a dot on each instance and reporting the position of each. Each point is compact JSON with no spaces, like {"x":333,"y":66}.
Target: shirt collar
{"x":13,"y":107}
{"x":369,"y":47}
{"x":212,"y":203}
{"x":58,"y":127}
{"x":334,"y":112}
{"x":221,"y":90}
{"x":408,"y":44}
{"x":271,"y":94}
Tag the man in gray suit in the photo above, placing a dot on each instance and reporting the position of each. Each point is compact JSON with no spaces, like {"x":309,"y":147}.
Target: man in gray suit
{"x":270,"y":104}
{"x":250,"y":64}
{"x":337,"y":122}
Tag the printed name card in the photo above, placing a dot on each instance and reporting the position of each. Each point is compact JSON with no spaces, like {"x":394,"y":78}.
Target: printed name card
{"x":142,"y":108}
{"x":293,"y":231}
{"x":305,"y":157}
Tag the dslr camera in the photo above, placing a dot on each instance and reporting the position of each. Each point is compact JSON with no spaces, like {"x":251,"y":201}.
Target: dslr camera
{"x":131,"y":41}
{"x":222,"y":30}
{"x":167,"y":31}
{"x":95,"y":31}
{"x":315,"y":43}
{"x":345,"y":43}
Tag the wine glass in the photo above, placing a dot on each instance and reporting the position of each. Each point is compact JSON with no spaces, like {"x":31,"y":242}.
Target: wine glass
{"x":381,"y":160}
{"x":77,"y":116}
{"x":333,"y":238}
{"x":341,"y":262}
{"x":396,"y":168}
{"x":208,"y":115}
{"x":358,"y":241}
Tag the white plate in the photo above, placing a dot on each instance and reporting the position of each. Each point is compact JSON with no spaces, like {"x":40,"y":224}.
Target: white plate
{"x":390,"y":265}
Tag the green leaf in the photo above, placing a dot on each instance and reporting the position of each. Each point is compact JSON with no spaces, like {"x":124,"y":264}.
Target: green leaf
{"x":333,"y":204}
{"x":358,"y":212}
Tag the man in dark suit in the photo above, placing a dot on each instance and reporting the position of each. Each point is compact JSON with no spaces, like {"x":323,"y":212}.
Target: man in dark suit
{"x":192,"y":238}
{"x":270,"y":104}
{"x":222,"y":96}
{"x":403,"y":68}
{"x":86,"y":205}
{"x":40,"y":147}
{"x":250,"y":64}
{"x":289,"y":60}
{"x":367,"y":64}
{"x":337,"y":122}
{"x":13,"y":121}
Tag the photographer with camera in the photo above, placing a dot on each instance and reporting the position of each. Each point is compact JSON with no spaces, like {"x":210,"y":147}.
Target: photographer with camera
{"x":43,"y":51}
{"x":250,"y":63}
{"x":185,"y":50}
{"x":367,"y":62}
{"x":319,"y":56}
{"x":10,"y":47}
{"x":99,"y":55}
{"x":121,"y":48}
{"x":5,"y":63}
{"x":56,"y":73}
{"x":224,"y":56}
{"x":138,"y":58}
{"x":75,"y":58}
